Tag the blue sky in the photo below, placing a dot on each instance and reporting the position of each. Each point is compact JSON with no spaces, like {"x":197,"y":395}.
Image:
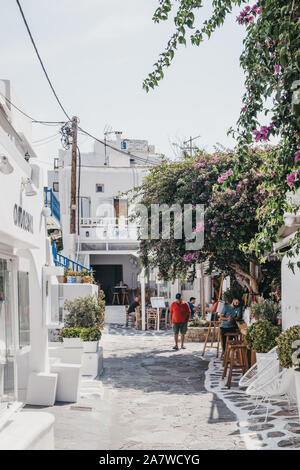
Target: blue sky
{"x":98,"y":52}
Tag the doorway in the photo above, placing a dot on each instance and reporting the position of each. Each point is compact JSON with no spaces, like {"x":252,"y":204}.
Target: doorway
{"x":108,"y":276}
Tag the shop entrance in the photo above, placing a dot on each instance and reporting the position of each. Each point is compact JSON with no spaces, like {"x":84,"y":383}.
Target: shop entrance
{"x":108,"y":276}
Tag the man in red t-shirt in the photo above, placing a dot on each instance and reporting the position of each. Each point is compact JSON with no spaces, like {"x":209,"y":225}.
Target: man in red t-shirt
{"x":180,"y":314}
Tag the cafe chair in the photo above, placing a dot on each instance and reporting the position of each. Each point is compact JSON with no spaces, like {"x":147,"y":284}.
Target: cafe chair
{"x":273,"y":385}
{"x":151,"y":319}
{"x":130,"y":317}
{"x":138,"y":318}
{"x":259,"y":369}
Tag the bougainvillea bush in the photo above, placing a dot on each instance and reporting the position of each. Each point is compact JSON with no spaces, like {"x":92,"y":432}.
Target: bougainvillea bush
{"x":229,"y":218}
{"x":271,"y":64}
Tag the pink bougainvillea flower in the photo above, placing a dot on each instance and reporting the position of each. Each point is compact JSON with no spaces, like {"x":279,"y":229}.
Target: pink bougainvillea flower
{"x":290,"y":180}
{"x":297,"y":156}
{"x":276,"y":68}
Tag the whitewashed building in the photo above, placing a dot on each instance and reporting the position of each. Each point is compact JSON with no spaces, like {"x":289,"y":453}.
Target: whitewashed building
{"x":290,"y":280}
{"x":106,"y":239}
{"x":27,"y":274}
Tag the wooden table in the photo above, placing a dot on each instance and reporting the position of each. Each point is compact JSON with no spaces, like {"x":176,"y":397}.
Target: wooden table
{"x":251,"y":354}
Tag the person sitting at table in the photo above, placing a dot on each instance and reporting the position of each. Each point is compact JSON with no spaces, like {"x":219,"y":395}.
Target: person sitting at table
{"x":133,"y":305}
{"x":192,"y":306}
{"x":228,"y":317}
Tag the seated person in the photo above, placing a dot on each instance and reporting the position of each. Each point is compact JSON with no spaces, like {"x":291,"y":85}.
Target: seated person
{"x":229,"y":315}
{"x":134,"y":304}
{"x":191,"y":304}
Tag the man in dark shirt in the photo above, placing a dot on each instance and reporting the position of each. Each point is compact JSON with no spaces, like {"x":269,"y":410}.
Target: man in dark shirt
{"x":133,"y":305}
{"x":228,"y":317}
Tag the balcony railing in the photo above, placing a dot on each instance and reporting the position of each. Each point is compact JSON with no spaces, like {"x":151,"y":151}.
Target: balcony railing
{"x":106,"y":228}
{"x":63,"y":261}
{"x":52,"y":202}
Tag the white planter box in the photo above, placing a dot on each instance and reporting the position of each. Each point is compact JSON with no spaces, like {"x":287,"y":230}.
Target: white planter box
{"x":297,"y":383}
{"x":90,"y":346}
{"x":72,"y":342}
{"x":92,"y":364}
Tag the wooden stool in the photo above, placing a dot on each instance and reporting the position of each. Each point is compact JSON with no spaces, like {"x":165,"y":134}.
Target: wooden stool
{"x":237,"y":352}
{"x":125,"y":299}
{"x":233,"y":337}
{"x":229,"y":342}
{"x":138,"y":318}
{"x":214,"y":328}
{"x":116,"y":296}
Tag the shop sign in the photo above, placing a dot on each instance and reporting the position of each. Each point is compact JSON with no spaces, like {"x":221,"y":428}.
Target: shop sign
{"x":23,"y":219}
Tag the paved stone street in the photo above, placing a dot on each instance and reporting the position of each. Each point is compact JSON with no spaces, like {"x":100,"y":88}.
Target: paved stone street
{"x":149,"y":397}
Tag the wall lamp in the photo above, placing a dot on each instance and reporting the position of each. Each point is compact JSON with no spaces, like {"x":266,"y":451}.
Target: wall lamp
{"x":27,"y":187}
{"x":5,"y":166}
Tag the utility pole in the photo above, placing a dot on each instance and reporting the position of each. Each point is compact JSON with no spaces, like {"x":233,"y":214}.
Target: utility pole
{"x":73,"y":177}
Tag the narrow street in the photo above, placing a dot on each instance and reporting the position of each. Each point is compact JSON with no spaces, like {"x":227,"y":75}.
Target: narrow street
{"x":149,"y":397}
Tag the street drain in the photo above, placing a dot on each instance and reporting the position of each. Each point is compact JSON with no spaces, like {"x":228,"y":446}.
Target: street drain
{"x":81,"y":408}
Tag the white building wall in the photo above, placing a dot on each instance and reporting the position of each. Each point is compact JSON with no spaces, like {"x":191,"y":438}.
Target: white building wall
{"x":290,"y":287}
{"x":26,"y":248}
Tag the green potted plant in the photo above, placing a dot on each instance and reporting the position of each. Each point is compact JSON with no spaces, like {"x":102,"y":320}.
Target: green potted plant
{"x":71,"y":337}
{"x":261,"y":338}
{"x":265,"y":310}
{"x":90,"y":338}
{"x":83,"y":312}
{"x":288,"y":352}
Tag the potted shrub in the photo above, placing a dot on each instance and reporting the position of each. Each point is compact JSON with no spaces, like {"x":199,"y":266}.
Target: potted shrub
{"x":71,"y":337}
{"x":261,"y":338}
{"x":82,"y":312}
{"x":90,"y":338}
{"x":87,"y":279}
{"x":265,"y":310}
{"x":288,"y":351}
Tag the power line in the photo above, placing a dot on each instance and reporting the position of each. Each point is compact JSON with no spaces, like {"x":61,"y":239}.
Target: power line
{"x":40,"y":60}
{"x":45,"y":138}
{"x":58,"y":100}
{"x":35,"y":121}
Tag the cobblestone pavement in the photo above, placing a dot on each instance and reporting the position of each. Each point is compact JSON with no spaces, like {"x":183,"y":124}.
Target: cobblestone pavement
{"x":149,"y":397}
{"x":281,"y":430}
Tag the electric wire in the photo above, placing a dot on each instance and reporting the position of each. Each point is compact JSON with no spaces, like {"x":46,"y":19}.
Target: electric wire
{"x":45,"y":138}
{"x":40,"y":60}
{"x":36,"y":121}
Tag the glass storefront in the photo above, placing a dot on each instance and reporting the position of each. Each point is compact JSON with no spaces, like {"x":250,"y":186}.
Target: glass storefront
{"x":7,"y":389}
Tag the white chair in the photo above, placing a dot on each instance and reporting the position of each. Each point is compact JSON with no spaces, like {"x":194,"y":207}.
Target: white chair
{"x":273,"y":385}
{"x":259,"y":368}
